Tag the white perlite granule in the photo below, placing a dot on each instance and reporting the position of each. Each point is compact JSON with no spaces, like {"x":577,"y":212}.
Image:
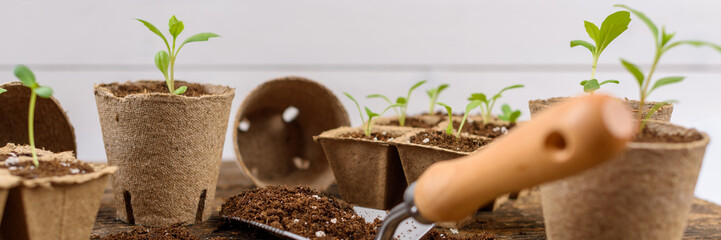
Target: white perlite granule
{"x":426,"y":140}
{"x":454,"y":231}
{"x":320,"y":234}
{"x":334,"y":220}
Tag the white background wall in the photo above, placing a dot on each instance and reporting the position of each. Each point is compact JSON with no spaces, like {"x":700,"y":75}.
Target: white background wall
{"x":364,"y":47}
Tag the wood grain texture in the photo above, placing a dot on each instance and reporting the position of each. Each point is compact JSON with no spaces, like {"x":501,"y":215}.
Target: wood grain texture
{"x":519,"y":219}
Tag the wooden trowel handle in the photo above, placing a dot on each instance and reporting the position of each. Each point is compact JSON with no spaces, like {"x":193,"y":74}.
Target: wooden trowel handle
{"x":559,"y":142}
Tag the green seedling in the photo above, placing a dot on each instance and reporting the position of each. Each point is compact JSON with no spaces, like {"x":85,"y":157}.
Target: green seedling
{"x":449,"y":129}
{"x":2,"y":90}
{"x":509,"y":115}
{"x":663,"y":43}
{"x":401,"y":104}
{"x":611,"y":28}
{"x":27,"y":77}
{"x":488,"y":103}
{"x":368,"y":122}
{"x":433,"y":95}
{"x":165,"y":59}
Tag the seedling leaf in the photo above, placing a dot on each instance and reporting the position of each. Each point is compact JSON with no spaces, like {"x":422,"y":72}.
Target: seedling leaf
{"x":449,"y":110}
{"x":633,"y":69}
{"x":653,"y":110}
{"x":418,"y":84}
{"x":478,"y":96}
{"x":381,"y":97}
{"x":507,"y":88}
{"x":695,"y":44}
{"x":591,"y":86}
{"x":585,"y":44}
{"x":665,"y":81}
{"x":176,"y":27}
{"x":155,"y":30}
{"x":401,"y":100}
{"x":26,"y":76}
{"x":162,"y":61}
{"x":592,"y":30}
{"x":649,"y":23}
{"x":609,"y":81}
{"x":2,"y":90}
{"x":473,"y":104}
{"x":356,"y":104}
{"x":370,"y":113}
{"x":200,"y":37}
{"x":612,"y":27}
{"x":508,"y":114}
{"x":180,"y":90}
{"x":43,"y":91}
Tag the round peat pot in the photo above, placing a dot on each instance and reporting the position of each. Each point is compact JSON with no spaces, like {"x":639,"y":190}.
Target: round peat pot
{"x":53,"y":130}
{"x":645,"y":193}
{"x":662,"y":114}
{"x":167,"y":148}
{"x":274,"y":129}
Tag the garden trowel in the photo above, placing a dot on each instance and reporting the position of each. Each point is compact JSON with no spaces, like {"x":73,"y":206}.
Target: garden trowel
{"x":563,"y":140}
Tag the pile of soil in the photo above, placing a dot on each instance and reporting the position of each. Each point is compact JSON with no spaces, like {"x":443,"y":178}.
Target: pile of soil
{"x":173,"y":232}
{"x":413,"y":122}
{"x":122,"y":90}
{"x":443,"y":140}
{"x":27,"y":169}
{"x":375,"y":136}
{"x":436,"y":234}
{"x":491,"y":130}
{"x":300,"y":210}
{"x":652,"y":136}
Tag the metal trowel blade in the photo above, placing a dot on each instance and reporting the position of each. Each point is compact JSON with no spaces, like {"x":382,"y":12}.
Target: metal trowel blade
{"x":409,"y":229}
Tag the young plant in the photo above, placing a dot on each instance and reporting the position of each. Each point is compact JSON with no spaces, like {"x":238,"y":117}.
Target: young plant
{"x":433,"y":95}
{"x":508,"y":114}
{"x":27,"y":77}
{"x":368,"y":122}
{"x":611,"y":28}
{"x":401,"y":104}
{"x":165,"y":59}
{"x":663,"y":43}
{"x":488,"y":103}
{"x":449,"y":129}
{"x":2,"y":90}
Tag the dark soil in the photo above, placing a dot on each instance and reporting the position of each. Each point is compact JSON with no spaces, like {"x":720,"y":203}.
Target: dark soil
{"x":300,"y":210}
{"x":377,"y":136}
{"x":125,"y":89}
{"x":443,"y":140}
{"x":490,"y":130}
{"x":436,"y":234}
{"x":651,"y":136}
{"x":173,"y":232}
{"x":27,"y":170}
{"x":415,"y":122}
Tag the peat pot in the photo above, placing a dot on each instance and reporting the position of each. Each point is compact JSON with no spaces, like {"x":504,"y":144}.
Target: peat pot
{"x":60,"y":207}
{"x":167,"y":149}
{"x":663,"y":114}
{"x":368,"y":172}
{"x":646,"y":193}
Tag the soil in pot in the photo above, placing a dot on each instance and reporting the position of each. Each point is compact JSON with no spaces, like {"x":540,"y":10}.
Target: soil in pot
{"x":649,"y":135}
{"x":413,"y":122}
{"x":443,"y":140}
{"x":123,"y":90}
{"x":491,"y":130}
{"x":172,"y":232}
{"x":376,"y":136}
{"x":438,"y":234}
{"x":27,"y":170}
{"x":300,"y":210}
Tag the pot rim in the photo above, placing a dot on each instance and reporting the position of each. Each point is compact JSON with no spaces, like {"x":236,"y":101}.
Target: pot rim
{"x":673,"y":146}
{"x":547,"y":100}
{"x":333,"y":134}
{"x":102,"y":90}
{"x":403,"y":141}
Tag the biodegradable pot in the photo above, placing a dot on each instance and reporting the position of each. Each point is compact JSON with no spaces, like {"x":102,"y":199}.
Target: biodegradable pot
{"x":53,"y":130}
{"x":368,"y":173}
{"x":662,"y":114}
{"x":646,"y":193}
{"x":61,"y":207}
{"x":273,"y":149}
{"x":168,"y":150}
{"x":430,"y":120}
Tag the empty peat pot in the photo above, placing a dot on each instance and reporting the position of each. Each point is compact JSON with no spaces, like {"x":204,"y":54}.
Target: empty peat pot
{"x":53,"y":130}
{"x":662,"y":114}
{"x":645,"y":193}
{"x":52,"y":207}
{"x":368,"y":171}
{"x":274,"y":128}
{"x":167,"y":148}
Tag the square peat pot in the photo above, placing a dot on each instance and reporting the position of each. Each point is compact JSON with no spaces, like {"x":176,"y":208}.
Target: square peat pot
{"x":368,"y":171}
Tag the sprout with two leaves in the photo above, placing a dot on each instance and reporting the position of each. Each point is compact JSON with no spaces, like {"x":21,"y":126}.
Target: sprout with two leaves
{"x":165,"y":59}
{"x":662,"y":41}
{"x":488,"y":103}
{"x":368,"y":122}
{"x":433,"y":96}
{"x":27,"y":77}
{"x":401,"y":104}
{"x":449,"y":129}
{"x":611,"y":28}
{"x":508,"y":114}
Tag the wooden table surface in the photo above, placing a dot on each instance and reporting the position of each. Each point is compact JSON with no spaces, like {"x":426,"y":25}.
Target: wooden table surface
{"x":517,"y":219}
